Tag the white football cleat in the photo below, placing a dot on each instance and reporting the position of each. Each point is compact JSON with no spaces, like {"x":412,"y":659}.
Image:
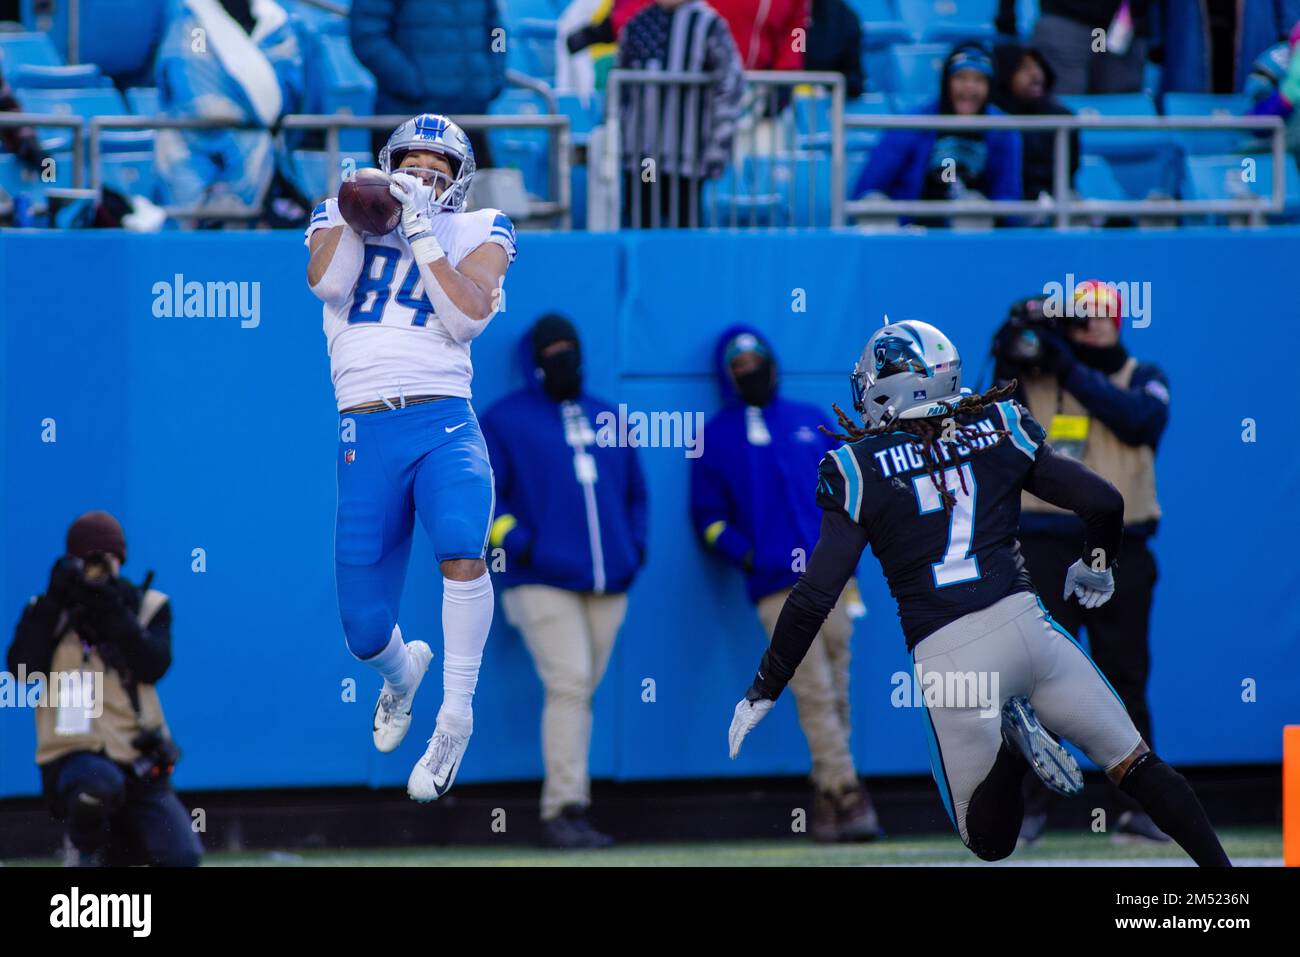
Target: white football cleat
{"x":393,"y":711}
{"x":433,"y":775}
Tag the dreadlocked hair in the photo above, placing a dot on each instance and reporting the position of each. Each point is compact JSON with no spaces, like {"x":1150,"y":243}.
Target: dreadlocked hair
{"x":931,"y":431}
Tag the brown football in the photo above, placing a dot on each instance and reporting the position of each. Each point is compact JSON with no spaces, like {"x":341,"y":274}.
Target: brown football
{"x":366,"y":203}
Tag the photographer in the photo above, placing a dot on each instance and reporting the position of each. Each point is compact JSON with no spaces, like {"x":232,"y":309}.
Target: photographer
{"x":1108,"y":410}
{"x":104,"y":751}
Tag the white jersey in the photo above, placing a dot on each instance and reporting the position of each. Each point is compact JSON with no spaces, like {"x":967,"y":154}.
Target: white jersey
{"x":386,"y":341}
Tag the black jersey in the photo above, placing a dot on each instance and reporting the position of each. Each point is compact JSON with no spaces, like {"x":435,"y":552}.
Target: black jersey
{"x":940,"y":563}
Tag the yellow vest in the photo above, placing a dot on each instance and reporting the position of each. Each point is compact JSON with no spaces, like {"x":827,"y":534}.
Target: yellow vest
{"x":112,"y":731}
{"x":1130,"y":468}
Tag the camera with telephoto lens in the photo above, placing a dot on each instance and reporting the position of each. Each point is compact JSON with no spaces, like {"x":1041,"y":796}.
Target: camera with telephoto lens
{"x":1019,"y":343}
{"x":158,"y":755}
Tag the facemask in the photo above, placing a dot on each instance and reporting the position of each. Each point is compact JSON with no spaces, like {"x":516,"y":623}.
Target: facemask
{"x":756,"y":387}
{"x":562,"y":374}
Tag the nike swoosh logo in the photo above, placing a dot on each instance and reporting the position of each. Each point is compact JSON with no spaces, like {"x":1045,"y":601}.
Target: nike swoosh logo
{"x":441,"y":789}
{"x":453,"y":428}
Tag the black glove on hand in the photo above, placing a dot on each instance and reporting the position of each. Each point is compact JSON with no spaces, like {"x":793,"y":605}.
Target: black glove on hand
{"x":1058,"y":357}
{"x":65,"y":576}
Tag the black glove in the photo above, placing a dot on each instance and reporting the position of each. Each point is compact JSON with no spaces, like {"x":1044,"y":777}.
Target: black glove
{"x":1058,"y":357}
{"x":65,"y":576}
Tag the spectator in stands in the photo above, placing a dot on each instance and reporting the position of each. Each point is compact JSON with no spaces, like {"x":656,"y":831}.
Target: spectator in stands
{"x":432,"y":56}
{"x":835,"y":43}
{"x":1211,"y":47}
{"x":22,"y":141}
{"x":1274,"y":86}
{"x":584,"y":37}
{"x":925,"y":164}
{"x":571,"y":516}
{"x":750,"y":506}
{"x":1022,"y":86}
{"x":663,"y":170}
{"x":764,"y":32}
{"x":102,"y":743}
{"x":229,"y":60}
{"x":1094,"y":46}
{"x":1107,"y":409}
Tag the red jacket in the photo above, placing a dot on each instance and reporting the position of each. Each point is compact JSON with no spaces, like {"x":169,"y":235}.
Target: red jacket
{"x":763,"y":29}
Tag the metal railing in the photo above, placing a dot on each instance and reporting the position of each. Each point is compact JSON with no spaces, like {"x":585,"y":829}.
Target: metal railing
{"x":1062,"y":204}
{"x":762,"y":131}
{"x":59,"y":120}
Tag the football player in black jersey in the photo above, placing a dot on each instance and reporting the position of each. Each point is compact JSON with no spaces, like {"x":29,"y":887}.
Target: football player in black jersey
{"x":933,"y":483}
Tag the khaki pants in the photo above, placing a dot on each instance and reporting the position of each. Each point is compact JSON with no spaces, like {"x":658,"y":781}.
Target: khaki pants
{"x":570,"y":636}
{"x":821,"y":693}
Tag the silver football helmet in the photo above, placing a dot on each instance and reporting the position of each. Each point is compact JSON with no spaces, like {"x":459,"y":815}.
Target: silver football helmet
{"x":430,"y":131}
{"x":906,"y":371}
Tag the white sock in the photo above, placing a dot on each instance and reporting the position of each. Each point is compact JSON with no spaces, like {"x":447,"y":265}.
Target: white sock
{"x":466,"y":618}
{"x":394,"y":663}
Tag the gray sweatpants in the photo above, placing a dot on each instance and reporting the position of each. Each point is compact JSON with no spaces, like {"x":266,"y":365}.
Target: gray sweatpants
{"x":969,"y":668}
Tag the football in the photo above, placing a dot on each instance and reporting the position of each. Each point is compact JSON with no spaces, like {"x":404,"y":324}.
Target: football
{"x":366,"y":203}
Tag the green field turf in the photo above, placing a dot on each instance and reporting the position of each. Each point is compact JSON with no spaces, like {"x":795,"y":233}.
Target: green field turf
{"x":1244,"y":845}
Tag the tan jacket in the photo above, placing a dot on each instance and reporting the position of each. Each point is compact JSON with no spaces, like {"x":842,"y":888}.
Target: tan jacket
{"x":112,"y":731}
{"x":1130,"y":468}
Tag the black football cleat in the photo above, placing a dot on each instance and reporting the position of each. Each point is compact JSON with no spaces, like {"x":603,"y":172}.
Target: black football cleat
{"x":1051,"y":762}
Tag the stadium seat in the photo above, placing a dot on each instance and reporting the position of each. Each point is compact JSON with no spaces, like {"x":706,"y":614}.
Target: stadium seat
{"x":787,"y":189}
{"x":948,"y":21}
{"x":1096,"y":180}
{"x":35,"y":49}
{"x":118,"y":35}
{"x":103,"y":101}
{"x":16,"y":180}
{"x":1143,"y":161}
{"x":308,"y":170}
{"x":512,"y":11}
{"x":531,"y":48}
{"x":905,"y":104}
{"x":129,"y":173}
{"x":1226,"y":177}
{"x":81,"y":77}
{"x":143,"y":100}
{"x":522,"y":148}
{"x":582,"y":118}
{"x":338,"y":83}
{"x":1209,"y":142}
{"x":917,"y":67}
{"x":882,"y":30}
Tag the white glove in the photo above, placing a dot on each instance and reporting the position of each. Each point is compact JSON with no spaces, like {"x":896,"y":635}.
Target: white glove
{"x":414,"y":197}
{"x":748,"y":713}
{"x":1093,"y":589}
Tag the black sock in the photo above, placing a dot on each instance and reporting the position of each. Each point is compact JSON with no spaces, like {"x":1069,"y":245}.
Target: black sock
{"x":997,"y":807}
{"x":1169,"y":799}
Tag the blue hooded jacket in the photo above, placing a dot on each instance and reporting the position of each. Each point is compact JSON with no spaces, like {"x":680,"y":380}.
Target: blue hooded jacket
{"x":753,"y":488}
{"x":555,"y":529}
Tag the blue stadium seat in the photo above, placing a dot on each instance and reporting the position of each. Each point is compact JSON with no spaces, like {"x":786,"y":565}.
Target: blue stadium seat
{"x":878,"y":64}
{"x":17,"y":180}
{"x":309,"y":170}
{"x":582,"y":119}
{"x":338,"y":83}
{"x":1096,"y":180}
{"x":530,"y":48}
{"x":104,"y":101}
{"x":788,"y":189}
{"x":512,"y":11}
{"x":947,"y":21}
{"x":905,"y":104}
{"x":523,"y":149}
{"x":882,"y":29}
{"x":119,"y":35}
{"x":812,"y":121}
{"x":1225,"y":177}
{"x":917,"y":68}
{"x":880,"y":10}
{"x":35,"y":49}
{"x":143,"y":100}
{"x":81,"y":77}
{"x":1208,"y":142}
{"x":129,"y":173}
{"x":1143,"y":161}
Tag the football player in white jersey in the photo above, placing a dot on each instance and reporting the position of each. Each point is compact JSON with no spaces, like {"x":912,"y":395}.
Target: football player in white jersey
{"x":400,"y":313}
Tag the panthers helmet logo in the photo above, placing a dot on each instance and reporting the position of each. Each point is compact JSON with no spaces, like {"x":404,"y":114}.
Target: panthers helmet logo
{"x":895,"y":354}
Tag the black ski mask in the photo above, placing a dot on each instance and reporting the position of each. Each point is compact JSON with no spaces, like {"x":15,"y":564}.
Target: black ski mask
{"x":757,"y":385}
{"x":560,"y":371}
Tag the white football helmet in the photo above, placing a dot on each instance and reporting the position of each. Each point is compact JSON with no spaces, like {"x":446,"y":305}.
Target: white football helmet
{"x":906,"y":371}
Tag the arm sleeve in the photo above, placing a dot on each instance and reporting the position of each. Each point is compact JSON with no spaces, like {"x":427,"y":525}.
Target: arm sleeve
{"x":372,"y":23}
{"x":34,"y":638}
{"x":147,"y":649}
{"x":711,"y":513}
{"x":1137,"y":415}
{"x":1069,"y":484}
{"x":833,"y":562}
{"x":637,"y":503}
